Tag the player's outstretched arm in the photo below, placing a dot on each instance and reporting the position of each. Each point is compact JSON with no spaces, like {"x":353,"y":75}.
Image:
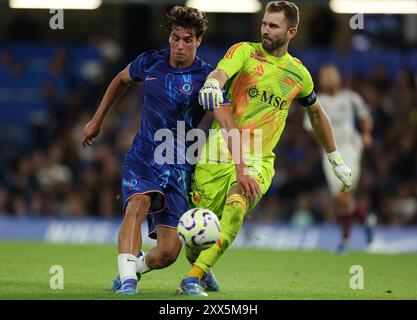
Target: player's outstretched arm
{"x":114,"y":92}
{"x":324,"y":132}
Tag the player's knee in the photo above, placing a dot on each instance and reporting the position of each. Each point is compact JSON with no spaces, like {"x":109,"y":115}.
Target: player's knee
{"x":138,"y":205}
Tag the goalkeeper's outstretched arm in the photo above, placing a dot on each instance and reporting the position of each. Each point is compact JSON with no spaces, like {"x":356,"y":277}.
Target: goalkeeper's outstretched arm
{"x":324,"y":132}
{"x":322,"y":127}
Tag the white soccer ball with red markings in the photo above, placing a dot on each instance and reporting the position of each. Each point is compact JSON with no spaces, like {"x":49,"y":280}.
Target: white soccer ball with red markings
{"x":198,"y":228}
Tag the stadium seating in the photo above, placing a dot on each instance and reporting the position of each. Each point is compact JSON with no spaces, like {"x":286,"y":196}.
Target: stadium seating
{"x":29,"y":68}
{"x":22,"y":77}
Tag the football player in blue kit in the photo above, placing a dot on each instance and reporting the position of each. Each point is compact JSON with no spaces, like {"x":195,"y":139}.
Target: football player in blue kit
{"x":153,"y":187}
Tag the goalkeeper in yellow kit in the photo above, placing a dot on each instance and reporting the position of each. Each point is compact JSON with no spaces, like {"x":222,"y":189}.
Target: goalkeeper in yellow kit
{"x":261,"y":81}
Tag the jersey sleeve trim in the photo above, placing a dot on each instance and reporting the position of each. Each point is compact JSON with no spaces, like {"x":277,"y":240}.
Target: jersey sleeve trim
{"x":229,"y":54}
{"x":132,"y":74}
{"x":138,"y":69}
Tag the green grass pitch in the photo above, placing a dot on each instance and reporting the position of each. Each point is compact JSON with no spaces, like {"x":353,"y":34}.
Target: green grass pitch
{"x":242,"y":273}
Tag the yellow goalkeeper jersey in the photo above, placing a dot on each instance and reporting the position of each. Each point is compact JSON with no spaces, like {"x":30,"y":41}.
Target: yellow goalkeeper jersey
{"x":260,"y":89}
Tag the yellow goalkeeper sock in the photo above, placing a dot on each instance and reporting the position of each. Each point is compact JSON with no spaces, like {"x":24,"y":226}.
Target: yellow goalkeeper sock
{"x":230,"y":223}
{"x":196,"y":271}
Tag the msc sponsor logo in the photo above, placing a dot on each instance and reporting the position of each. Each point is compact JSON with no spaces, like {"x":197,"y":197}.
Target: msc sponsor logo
{"x":267,"y":97}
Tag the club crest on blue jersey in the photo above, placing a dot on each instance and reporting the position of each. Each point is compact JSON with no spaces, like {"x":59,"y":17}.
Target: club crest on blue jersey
{"x":133,"y":183}
{"x":186,"y":88}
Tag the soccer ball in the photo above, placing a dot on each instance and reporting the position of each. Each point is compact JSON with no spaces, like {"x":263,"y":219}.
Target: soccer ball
{"x":198,"y":229}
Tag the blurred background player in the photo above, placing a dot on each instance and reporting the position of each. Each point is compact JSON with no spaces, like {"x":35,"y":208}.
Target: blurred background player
{"x":343,"y":107}
{"x":157,"y":191}
{"x":264,"y":80}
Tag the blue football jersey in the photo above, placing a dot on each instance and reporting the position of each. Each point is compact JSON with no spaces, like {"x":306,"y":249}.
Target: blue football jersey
{"x":170,"y":102}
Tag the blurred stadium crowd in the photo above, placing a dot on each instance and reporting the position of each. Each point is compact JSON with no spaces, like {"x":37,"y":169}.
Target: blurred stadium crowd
{"x":47,"y":172}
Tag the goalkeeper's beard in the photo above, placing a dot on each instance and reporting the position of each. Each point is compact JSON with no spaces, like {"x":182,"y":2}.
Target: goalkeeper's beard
{"x":272,"y":45}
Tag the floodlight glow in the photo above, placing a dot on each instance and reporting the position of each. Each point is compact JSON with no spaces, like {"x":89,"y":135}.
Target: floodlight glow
{"x":242,"y":6}
{"x":374,"y":6}
{"x":55,"y":4}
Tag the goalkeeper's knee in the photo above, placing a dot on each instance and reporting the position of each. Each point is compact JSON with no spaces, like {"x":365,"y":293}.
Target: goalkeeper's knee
{"x":232,"y":219}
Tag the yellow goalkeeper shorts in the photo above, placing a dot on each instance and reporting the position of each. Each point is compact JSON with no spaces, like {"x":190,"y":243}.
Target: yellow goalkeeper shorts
{"x":212,"y":182}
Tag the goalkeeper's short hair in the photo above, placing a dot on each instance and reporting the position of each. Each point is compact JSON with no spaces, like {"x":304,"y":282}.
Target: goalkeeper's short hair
{"x":290,"y":10}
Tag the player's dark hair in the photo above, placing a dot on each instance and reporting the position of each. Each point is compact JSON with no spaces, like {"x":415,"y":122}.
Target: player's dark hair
{"x":187,"y":18}
{"x":290,"y":10}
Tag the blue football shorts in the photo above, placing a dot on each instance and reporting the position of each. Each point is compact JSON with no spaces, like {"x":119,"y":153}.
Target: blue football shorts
{"x":168,"y":186}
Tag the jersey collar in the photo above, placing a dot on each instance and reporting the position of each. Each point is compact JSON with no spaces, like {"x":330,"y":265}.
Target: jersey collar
{"x":275,"y":58}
